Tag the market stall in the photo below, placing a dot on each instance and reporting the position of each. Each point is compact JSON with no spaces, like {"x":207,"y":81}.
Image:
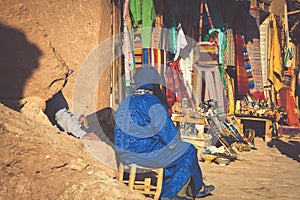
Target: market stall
{"x":234,"y":54}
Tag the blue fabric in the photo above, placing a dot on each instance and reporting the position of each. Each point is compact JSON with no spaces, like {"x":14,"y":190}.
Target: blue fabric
{"x":143,"y":134}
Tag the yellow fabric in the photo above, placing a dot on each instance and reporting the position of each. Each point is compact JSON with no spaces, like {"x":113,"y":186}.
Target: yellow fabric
{"x":230,"y":94}
{"x":159,"y":61}
{"x":275,"y":67}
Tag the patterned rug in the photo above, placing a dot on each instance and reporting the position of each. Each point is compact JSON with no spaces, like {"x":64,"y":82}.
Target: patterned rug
{"x":289,"y":130}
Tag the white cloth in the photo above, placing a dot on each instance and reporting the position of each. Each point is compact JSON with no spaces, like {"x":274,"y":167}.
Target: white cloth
{"x":181,"y":41}
{"x":69,"y":122}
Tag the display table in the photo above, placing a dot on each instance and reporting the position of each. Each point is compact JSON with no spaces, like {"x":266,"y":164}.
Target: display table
{"x":188,"y":119}
{"x":267,"y":121}
{"x":199,"y":142}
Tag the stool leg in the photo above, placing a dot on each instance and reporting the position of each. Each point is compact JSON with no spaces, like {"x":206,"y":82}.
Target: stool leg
{"x":121,"y":172}
{"x":160,"y":175}
{"x":132,"y":174}
{"x":147,"y":183}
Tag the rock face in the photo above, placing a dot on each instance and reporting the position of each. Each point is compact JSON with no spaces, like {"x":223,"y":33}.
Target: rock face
{"x":30,"y":65}
{"x":40,"y":40}
{"x":75,"y":29}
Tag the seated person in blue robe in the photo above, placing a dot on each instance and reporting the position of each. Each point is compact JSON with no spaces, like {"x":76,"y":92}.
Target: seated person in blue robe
{"x":145,"y":135}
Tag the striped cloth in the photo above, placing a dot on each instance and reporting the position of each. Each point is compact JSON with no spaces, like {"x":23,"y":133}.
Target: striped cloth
{"x":138,"y":52}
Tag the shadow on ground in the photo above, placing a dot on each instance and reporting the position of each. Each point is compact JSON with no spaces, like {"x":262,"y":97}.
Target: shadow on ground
{"x":290,"y":148}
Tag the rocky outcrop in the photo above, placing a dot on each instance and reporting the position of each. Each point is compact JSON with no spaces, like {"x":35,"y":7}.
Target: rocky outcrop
{"x":30,"y":65}
{"x":76,"y":29}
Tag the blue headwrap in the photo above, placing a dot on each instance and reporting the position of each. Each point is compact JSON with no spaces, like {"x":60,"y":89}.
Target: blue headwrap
{"x":145,"y":77}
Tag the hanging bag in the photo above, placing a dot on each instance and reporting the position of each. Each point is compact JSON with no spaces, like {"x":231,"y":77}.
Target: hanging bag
{"x":206,"y":52}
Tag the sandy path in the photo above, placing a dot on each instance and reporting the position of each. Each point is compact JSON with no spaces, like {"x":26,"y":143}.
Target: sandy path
{"x":265,"y":173}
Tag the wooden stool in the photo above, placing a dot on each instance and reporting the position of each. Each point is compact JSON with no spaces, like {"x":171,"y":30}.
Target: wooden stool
{"x":147,"y":181}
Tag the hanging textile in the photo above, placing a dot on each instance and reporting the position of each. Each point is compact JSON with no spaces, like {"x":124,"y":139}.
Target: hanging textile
{"x":138,"y":51}
{"x":288,"y":102}
{"x":156,"y":32}
{"x":175,"y":87}
{"x":206,"y":52}
{"x":146,"y":57}
{"x":210,"y":86}
{"x":264,"y":44}
{"x":143,"y":15}
{"x":248,"y":67}
{"x":181,"y":41}
{"x":127,"y":44}
{"x":230,"y":94}
{"x":229,"y":53}
{"x":287,"y":98}
{"x":254,"y":53}
{"x":242,"y":82}
{"x":275,"y":67}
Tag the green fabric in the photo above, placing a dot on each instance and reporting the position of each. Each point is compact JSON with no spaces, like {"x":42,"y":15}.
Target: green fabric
{"x":143,"y":11}
{"x":221,"y":71}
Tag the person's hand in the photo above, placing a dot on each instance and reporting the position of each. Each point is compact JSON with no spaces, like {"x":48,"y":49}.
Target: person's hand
{"x":91,"y":136}
{"x":82,"y":120}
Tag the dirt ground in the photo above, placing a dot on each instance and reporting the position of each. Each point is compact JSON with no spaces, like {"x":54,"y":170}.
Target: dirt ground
{"x":39,"y":162}
{"x":270,"y":172}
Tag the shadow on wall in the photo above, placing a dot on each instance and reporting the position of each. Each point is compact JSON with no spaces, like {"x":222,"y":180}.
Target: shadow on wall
{"x":291,"y":148}
{"x":18,"y":59}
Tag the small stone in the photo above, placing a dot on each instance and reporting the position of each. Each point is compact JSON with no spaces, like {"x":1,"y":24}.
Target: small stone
{"x":90,"y":172}
{"x":78,"y":164}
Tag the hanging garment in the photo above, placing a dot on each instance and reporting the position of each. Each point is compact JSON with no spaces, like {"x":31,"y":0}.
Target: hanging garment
{"x":210,"y":86}
{"x":242,"y":82}
{"x":127,"y":44}
{"x":275,"y":67}
{"x":156,"y":32}
{"x":143,"y":14}
{"x":181,"y":41}
{"x":175,"y":87}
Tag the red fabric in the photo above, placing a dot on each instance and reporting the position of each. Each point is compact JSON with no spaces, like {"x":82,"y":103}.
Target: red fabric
{"x":287,"y":101}
{"x":155,"y":59}
{"x":175,"y":88}
{"x":242,"y":81}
